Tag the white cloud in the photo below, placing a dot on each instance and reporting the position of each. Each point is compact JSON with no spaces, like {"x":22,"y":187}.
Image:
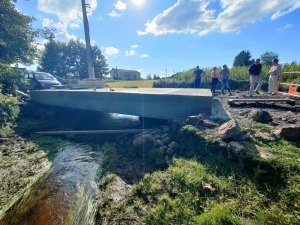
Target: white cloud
{"x":193,"y":16}
{"x":65,"y":36}
{"x":134,"y":46}
{"x":289,"y":7}
{"x":129,"y":53}
{"x":285,"y":27}
{"x":111,"y":51}
{"x":238,"y":32}
{"x":140,"y":33}
{"x":68,"y":11}
{"x":50,"y":23}
{"x":113,"y":13}
{"x":144,"y":56}
{"x":120,"y":5}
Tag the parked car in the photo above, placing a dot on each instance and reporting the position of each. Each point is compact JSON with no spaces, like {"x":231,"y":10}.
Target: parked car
{"x":40,"y":80}
{"x":61,"y":80}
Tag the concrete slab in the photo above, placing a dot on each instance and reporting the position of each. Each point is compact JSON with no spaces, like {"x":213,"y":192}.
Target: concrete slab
{"x":218,"y":112}
{"x":160,"y":103}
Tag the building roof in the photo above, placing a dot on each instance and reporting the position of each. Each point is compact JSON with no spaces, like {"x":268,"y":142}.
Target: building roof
{"x":124,"y":71}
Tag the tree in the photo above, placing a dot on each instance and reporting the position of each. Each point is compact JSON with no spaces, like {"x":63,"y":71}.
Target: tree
{"x":243,"y":59}
{"x":267,"y":57}
{"x":51,"y":58}
{"x":62,"y":59}
{"x":17,"y":37}
{"x":149,"y":77}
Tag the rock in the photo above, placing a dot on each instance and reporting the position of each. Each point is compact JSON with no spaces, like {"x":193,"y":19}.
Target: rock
{"x":166,"y":140}
{"x":261,"y":116}
{"x":174,"y":145}
{"x":251,"y":131}
{"x":164,"y":136}
{"x":170,"y":151}
{"x":244,"y":135}
{"x":144,"y":142}
{"x":290,"y":132}
{"x":265,"y":136}
{"x":119,"y":189}
{"x":245,"y":149}
{"x":165,"y":129}
{"x":164,"y":148}
{"x":194,"y":120}
{"x":160,"y":143}
{"x":229,"y":129}
{"x":156,"y":136}
{"x":209,"y":123}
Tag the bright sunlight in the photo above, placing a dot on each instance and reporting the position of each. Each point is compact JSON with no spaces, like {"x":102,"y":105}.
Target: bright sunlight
{"x":138,"y":2}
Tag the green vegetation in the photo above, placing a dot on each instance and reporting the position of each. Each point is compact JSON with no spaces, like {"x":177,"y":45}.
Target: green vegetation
{"x":239,"y":78}
{"x":198,"y":189}
{"x":69,"y":59}
{"x":109,"y":159}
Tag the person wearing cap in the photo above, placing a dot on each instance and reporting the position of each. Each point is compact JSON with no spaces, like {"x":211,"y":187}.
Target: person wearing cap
{"x":254,"y":72}
{"x":273,"y":79}
{"x":198,"y":73}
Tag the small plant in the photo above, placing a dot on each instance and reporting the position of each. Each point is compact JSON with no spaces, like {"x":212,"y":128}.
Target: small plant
{"x":109,"y":159}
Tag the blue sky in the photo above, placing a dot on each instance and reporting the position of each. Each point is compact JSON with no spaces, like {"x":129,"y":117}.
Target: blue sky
{"x":167,"y":36}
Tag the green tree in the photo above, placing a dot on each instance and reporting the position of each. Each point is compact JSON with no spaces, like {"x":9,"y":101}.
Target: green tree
{"x":99,"y":62}
{"x":267,"y":57}
{"x":149,"y":77}
{"x":17,"y":37}
{"x":64,"y":59}
{"x":51,"y":59}
{"x":243,"y":59}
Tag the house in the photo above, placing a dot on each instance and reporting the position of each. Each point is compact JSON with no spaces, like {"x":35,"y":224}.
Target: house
{"x":120,"y":74}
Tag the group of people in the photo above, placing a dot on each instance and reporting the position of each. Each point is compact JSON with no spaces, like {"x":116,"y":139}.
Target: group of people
{"x":223,"y":74}
{"x":254,"y":72}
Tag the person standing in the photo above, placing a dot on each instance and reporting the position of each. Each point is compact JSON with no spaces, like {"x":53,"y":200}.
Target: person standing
{"x":224,"y":75}
{"x":254,"y":72}
{"x":198,"y":73}
{"x":273,"y":79}
{"x":214,"y":80}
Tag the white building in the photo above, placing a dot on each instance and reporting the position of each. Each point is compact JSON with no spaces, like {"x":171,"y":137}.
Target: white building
{"x":120,"y":74}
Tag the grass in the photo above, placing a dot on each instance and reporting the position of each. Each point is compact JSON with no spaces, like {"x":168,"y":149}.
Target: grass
{"x":23,"y":162}
{"x":176,"y":195}
{"x":131,"y":84}
{"x":84,"y":209}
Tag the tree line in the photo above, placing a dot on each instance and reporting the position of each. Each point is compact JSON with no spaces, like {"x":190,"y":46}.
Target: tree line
{"x":69,"y":59}
{"x":244,"y":58}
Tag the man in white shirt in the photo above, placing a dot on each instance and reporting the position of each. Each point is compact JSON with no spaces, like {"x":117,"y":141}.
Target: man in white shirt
{"x":274,"y":74}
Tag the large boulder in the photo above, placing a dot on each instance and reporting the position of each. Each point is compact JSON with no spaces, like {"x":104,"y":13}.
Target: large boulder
{"x":245,"y":149}
{"x":144,"y":142}
{"x":261,"y":116}
{"x":290,"y":132}
{"x":229,"y":129}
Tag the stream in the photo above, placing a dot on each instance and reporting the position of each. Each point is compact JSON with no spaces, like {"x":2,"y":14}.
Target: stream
{"x":65,"y":195}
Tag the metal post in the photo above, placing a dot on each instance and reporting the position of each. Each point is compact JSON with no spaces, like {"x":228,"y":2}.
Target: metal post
{"x":87,"y":41}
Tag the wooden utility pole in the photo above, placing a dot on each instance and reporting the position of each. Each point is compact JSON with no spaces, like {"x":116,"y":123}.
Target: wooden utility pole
{"x":87,"y":41}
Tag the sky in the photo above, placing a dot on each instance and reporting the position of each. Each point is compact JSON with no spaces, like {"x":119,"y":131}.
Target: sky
{"x":163,"y":37}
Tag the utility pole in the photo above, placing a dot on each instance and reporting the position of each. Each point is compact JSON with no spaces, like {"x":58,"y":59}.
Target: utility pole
{"x":87,"y":41}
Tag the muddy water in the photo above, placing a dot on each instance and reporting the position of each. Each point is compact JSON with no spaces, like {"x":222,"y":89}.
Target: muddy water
{"x":51,"y":201}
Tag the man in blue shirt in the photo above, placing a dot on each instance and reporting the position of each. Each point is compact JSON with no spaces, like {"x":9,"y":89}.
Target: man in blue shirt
{"x":198,"y":74}
{"x":254,"y":72}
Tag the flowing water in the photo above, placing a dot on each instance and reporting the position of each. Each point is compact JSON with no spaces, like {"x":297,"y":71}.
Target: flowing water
{"x":54,"y":199}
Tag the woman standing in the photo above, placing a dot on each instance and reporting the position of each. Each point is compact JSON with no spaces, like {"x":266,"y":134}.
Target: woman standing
{"x":214,"y":80}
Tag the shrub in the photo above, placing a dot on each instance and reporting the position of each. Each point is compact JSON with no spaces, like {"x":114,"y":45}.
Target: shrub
{"x":9,"y":108}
